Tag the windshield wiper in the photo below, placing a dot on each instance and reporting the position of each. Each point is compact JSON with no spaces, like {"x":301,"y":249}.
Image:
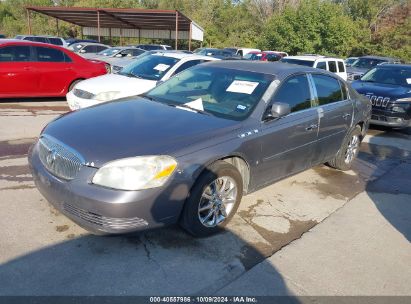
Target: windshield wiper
{"x":130,"y":75}
{"x":189,"y":108}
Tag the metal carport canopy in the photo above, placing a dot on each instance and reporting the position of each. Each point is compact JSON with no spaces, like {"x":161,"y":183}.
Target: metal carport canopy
{"x":124,"y":22}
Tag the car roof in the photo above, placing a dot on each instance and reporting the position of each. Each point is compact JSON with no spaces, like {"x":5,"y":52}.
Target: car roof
{"x":89,"y":43}
{"x":28,"y":42}
{"x":311,"y":57}
{"x":279,"y":69}
{"x":379,"y":57}
{"x":181,"y":55}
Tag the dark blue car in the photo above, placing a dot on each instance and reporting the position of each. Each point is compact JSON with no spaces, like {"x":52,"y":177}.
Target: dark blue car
{"x":388,"y":86}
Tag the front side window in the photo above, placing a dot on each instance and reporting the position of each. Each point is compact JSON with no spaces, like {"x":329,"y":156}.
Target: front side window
{"x":226,"y":93}
{"x":151,"y":67}
{"x":15,"y":53}
{"x":322,"y":65}
{"x":294,"y":91}
{"x":186,"y":65}
{"x":45,"y":54}
{"x":328,"y":89}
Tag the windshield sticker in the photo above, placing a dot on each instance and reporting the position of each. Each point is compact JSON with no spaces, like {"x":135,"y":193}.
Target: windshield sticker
{"x":161,"y":67}
{"x":244,"y":87}
{"x":196,"y":104}
{"x":409,"y":80}
{"x":241,"y":108}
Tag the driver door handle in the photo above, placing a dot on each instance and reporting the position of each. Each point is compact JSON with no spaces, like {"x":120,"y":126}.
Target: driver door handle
{"x":311,"y":127}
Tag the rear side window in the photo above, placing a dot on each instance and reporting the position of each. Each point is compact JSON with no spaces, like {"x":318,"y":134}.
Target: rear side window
{"x":341,"y":67}
{"x":45,"y":54}
{"x":322,"y":65}
{"x":15,"y":53}
{"x":328,"y":89}
{"x":295,"y":91}
{"x":332,"y":66}
{"x":56,"y":41}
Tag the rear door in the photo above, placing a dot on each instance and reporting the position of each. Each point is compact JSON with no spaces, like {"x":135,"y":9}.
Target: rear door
{"x":288,"y":144}
{"x":55,"y":70}
{"x":17,"y":75}
{"x":335,"y":111}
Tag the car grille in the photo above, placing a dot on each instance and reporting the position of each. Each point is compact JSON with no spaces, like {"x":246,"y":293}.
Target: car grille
{"x":103,"y":221}
{"x":58,"y":159}
{"x":378,"y":101}
{"x":83,"y":94}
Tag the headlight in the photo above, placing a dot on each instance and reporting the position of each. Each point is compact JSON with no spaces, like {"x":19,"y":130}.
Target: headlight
{"x":404,"y":99}
{"x":136,"y":173}
{"x":106,"y":96}
{"x":398,"y":109}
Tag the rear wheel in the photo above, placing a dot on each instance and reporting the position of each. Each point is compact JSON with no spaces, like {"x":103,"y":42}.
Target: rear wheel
{"x":348,"y":151}
{"x":213,"y":201}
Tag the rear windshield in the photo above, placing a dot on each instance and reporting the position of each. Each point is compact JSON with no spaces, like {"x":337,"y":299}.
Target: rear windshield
{"x":298,"y":61}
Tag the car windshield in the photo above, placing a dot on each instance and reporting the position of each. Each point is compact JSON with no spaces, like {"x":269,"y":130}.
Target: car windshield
{"x":152,"y":67}
{"x":367,"y":63}
{"x":308,"y":63}
{"x":109,"y":52}
{"x":395,"y":76}
{"x":253,"y":56}
{"x":222,"y":92}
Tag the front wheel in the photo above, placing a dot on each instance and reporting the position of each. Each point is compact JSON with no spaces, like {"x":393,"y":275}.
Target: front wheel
{"x":348,"y":151}
{"x":213,"y":201}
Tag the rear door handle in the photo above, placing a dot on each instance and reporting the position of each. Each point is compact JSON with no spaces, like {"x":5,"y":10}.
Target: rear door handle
{"x":345,"y":116}
{"x":311,"y":127}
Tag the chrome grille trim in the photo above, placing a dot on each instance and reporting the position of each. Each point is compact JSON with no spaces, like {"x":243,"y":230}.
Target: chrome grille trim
{"x":103,"y":221}
{"x":83,"y":94}
{"x":59,"y":159}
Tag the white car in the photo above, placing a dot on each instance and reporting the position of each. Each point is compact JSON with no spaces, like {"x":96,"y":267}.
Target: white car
{"x":136,"y":78}
{"x":334,"y":65}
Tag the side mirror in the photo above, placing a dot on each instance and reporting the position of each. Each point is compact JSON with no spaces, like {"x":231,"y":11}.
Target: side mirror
{"x":82,"y":51}
{"x":118,"y":56}
{"x":278,"y":110}
{"x":357,"y":77}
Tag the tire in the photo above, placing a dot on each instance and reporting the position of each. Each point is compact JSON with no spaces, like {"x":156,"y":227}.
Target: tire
{"x":205,"y":193}
{"x":73,"y":84}
{"x":348,"y":151}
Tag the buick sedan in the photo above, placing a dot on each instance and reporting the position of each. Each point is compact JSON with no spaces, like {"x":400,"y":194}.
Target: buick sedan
{"x":188,"y":150}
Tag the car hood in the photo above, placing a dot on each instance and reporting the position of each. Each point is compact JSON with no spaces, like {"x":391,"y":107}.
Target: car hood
{"x":114,"y":82}
{"x":381,"y":89}
{"x":132,"y":127}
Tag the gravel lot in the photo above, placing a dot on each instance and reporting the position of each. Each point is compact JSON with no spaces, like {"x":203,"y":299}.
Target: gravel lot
{"x":261,"y":252}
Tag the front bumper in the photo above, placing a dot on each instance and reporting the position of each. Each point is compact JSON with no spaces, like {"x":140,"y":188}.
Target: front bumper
{"x":385,"y":117}
{"x":107,"y":211}
{"x":75,"y":102}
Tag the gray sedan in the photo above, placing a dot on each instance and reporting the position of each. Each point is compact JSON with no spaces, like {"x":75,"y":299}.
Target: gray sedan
{"x":188,"y":150}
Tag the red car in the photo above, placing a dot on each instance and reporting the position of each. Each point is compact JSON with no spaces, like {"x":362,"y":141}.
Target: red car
{"x":263,"y":56}
{"x":32,"y":69}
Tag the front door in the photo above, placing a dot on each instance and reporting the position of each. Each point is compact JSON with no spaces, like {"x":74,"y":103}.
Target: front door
{"x":288,"y":143}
